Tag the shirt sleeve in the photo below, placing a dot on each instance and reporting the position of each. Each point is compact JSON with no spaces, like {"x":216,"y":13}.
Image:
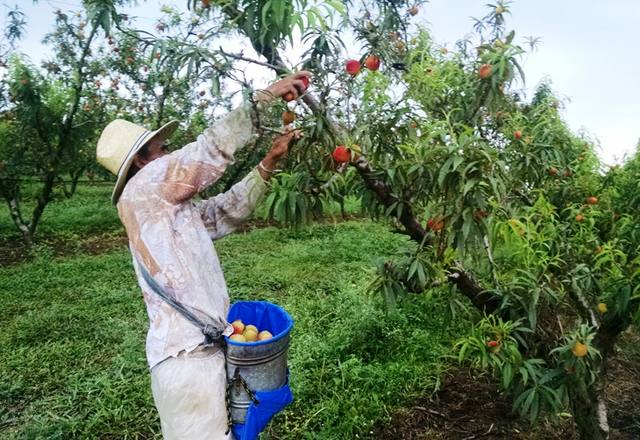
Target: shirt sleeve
{"x":224,"y":213}
{"x":198,"y":165}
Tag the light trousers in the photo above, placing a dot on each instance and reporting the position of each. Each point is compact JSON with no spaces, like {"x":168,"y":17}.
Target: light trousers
{"x":189,"y":393}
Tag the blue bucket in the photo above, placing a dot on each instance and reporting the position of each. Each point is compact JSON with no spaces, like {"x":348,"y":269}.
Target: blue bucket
{"x":261,"y":364}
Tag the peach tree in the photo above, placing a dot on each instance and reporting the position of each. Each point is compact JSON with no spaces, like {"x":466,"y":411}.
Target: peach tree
{"x":47,"y":118}
{"x":512,"y":216}
{"x":97,"y":69}
{"x":510,"y":207}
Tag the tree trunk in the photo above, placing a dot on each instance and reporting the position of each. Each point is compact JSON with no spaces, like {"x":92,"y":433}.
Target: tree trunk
{"x":43,"y":200}
{"x":589,"y":407}
{"x":590,"y":412}
{"x":63,"y":185}
{"x":10,"y":191}
{"x":384,"y":194}
{"x":161,"y":104}
{"x":16,"y":216}
{"x":75,"y":177}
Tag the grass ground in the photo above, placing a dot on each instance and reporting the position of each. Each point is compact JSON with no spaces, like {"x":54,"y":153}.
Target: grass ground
{"x":72,"y":359}
{"x":88,"y":211}
{"x":73,"y":324}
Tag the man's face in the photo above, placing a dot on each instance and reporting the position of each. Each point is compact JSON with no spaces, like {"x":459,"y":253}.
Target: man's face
{"x":154,"y":150}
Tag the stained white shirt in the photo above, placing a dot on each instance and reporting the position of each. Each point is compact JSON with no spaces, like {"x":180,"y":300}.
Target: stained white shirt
{"x":172,"y":236}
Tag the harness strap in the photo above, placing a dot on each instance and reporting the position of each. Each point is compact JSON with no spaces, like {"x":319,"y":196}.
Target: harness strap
{"x":211,"y":332}
{"x":212,"y":335}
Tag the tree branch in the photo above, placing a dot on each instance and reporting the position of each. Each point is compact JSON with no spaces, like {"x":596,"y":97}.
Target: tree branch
{"x":251,"y":60}
{"x":458,"y":276}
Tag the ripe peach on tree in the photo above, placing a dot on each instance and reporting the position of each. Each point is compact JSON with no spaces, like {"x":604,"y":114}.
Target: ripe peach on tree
{"x":352,"y":67}
{"x":341,"y":154}
{"x":372,"y":62}
{"x":485,"y":71}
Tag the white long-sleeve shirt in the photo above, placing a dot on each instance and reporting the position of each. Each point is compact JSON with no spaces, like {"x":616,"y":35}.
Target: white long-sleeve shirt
{"x":172,"y":236}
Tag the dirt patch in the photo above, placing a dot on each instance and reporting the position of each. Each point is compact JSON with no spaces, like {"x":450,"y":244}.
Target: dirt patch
{"x":469,"y":408}
{"x":623,"y":388}
{"x":100,"y":244}
{"x":466,"y":408}
{"x":256,"y":224}
{"x":261,"y":223}
{"x":14,"y":251}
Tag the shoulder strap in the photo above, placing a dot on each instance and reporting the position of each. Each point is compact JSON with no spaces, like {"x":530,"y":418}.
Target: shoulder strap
{"x":211,"y":332}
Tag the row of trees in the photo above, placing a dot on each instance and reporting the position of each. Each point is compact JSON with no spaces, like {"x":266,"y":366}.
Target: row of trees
{"x":99,"y":69}
{"x":512,"y":215}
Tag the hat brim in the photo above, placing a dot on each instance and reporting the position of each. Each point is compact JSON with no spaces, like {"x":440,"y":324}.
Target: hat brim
{"x":163,"y":132}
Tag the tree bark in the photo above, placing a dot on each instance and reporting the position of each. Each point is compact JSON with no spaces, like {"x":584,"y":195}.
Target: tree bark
{"x":161,"y":104}
{"x":16,"y":216}
{"x":590,"y":407}
{"x":43,"y":200}
{"x":75,"y":177}
{"x":470,"y":288}
{"x":590,"y":411}
{"x":10,"y":191}
{"x":383,"y":192}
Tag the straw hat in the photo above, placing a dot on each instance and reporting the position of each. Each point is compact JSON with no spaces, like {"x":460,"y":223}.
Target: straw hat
{"x":119,"y":143}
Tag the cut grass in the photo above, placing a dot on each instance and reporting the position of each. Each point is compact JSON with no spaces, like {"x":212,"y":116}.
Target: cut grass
{"x":72,"y":359}
{"x":88,"y":211}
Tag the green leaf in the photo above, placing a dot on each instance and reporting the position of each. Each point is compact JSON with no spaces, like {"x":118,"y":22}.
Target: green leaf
{"x":525,"y":375}
{"x":507,"y":376}
{"x":412,"y":269}
{"x":468,"y":185}
{"x":518,"y":402}
{"x":279,"y":13}
{"x":215,"y":85}
{"x":338,"y":6}
{"x":421,"y":275}
{"x":467,"y":223}
{"x":445,"y":170}
{"x":463,"y":352}
{"x":281,"y":210}
{"x":535,"y":408}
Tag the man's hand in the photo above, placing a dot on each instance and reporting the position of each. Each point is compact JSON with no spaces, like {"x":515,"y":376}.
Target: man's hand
{"x":279,"y":151}
{"x":292,"y":84}
{"x":281,"y":143}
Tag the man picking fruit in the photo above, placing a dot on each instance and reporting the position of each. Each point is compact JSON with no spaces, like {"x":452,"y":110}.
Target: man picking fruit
{"x":170,"y":241}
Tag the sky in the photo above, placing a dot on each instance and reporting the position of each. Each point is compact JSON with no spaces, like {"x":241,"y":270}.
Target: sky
{"x":589,"y":50}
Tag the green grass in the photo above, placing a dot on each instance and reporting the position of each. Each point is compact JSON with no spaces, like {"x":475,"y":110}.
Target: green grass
{"x":88,"y":211}
{"x":72,"y":359}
